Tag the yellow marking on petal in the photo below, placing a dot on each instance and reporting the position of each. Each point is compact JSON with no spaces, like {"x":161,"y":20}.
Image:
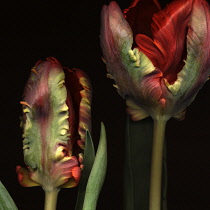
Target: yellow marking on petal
{"x":115,"y":86}
{"x":166,"y":82}
{"x":62,"y":119}
{"x":136,"y":112}
{"x":34,"y":70}
{"x":86,"y":102}
{"x":61,"y":83}
{"x":59,"y":154}
{"x":174,"y":88}
{"x":71,"y":183}
{"x":26,"y":110}
{"x":24,"y":177}
{"x":137,"y":65}
{"x":83,"y":126}
{"x":63,"y":132}
{"x":25,"y":147}
{"x":64,"y":108}
{"x":80,"y":158}
{"x":132,"y":56}
{"x":67,"y":158}
{"x":109,"y":76}
{"x":65,"y":126}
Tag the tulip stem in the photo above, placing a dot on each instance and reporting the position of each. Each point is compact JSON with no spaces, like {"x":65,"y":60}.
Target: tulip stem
{"x":51,"y":199}
{"x":156,"y":165}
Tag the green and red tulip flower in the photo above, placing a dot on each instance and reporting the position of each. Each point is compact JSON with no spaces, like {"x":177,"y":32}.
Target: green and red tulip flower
{"x":56,"y":130}
{"x":56,"y":116}
{"x":158,"y":58}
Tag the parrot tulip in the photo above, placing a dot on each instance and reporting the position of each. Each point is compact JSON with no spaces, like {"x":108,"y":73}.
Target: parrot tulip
{"x":56,"y":116}
{"x":159,"y":59}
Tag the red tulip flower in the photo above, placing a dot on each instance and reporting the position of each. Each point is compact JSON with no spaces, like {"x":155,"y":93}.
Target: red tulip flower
{"x":56,"y":115}
{"x":159,"y":59}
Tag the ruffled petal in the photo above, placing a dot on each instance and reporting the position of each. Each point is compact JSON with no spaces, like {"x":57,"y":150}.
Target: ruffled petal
{"x":85,"y":105}
{"x":134,"y":74}
{"x":139,"y":16}
{"x":116,"y":33}
{"x":155,"y":76}
{"x":197,"y":65}
{"x":24,"y":177}
{"x":56,"y":111}
{"x":135,"y":111}
{"x":167,"y":48}
{"x":45,"y":119}
{"x":80,"y":91}
{"x":116,"y":37}
{"x":126,"y":66}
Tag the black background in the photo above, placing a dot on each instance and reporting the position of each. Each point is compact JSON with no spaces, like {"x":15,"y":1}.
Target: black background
{"x":69,"y":31}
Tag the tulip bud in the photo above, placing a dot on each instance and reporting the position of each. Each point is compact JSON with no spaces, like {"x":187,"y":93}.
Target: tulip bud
{"x":56,"y":114}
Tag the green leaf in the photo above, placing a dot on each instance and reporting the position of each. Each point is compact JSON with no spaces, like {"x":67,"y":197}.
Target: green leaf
{"x":6,"y":202}
{"x":89,"y":156}
{"x":137,"y":165}
{"x":98,"y":173}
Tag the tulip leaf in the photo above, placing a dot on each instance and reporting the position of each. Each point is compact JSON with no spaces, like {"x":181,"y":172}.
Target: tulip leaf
{"x":89,"y":156}
{"x":97,"y":174}
{"x":6,"y":202}
{"x":138,"y":150}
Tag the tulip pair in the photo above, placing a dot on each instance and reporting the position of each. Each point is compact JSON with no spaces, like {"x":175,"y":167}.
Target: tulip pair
{"x":159,"y":60}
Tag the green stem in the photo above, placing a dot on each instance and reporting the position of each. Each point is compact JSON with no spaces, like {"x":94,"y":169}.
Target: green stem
{"x":156,"y":165}
{"x":51,"y":199}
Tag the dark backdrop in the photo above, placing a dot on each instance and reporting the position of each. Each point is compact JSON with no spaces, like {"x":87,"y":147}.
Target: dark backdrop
{"x":69,"y":31}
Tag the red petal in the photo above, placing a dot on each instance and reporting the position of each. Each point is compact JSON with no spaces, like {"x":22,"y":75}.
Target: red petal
{"x":79,"y":98}
{"x":147,"y":46}
{"x":73,"y":100}
{"x":139,"y":16}
{"x":24,"y":177}
{"x":85,"y":104}
{"x":167,"y":50}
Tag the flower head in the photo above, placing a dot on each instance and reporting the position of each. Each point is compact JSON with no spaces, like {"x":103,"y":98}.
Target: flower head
{"x":56,"y":115}
{"x":159,"y":59}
